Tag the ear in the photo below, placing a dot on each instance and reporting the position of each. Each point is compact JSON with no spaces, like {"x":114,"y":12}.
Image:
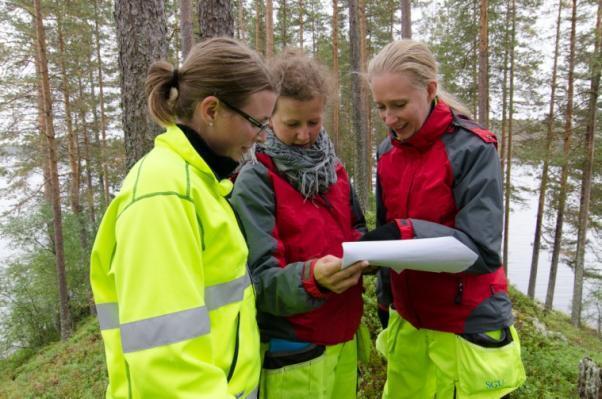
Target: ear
{"x":431,"y":90}
{"x":206,"y":109}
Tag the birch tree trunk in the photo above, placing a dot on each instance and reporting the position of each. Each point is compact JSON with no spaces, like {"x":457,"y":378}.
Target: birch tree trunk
{"x":141,"y":37}
{"x":568,"y":132}
{"x":543,"y":185}
{"x":586,"y":180}
{"x":66,"y":327}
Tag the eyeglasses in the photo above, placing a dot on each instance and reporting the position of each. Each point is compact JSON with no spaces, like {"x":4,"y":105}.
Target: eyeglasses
{"x":252,"y":121}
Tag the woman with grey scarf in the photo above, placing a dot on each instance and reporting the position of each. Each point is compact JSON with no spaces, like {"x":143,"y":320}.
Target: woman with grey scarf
{"x":297,"y":207}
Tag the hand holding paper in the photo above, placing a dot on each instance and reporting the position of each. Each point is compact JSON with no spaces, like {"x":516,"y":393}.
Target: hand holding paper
{"x":441,"y":254}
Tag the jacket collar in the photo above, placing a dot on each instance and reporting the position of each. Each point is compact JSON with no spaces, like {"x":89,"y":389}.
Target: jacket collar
{"x":192,"y":148}
{"x":436,"y":124}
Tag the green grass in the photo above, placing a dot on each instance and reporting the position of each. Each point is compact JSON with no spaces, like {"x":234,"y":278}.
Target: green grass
{"x":75,"y":368}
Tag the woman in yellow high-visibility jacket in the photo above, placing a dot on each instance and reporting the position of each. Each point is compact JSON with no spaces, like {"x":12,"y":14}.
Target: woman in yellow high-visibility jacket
{"x":168,"y":268}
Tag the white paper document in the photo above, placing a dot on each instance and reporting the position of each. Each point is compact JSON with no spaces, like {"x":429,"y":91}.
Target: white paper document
{"x":442,"y":254}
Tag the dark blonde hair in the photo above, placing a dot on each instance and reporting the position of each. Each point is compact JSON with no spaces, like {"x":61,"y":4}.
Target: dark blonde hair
{"x":220,"y":66}
{"x":417,"y":60}
{"x":300,"y":76}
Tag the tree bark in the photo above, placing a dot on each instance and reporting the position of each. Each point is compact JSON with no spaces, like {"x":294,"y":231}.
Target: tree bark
{"x":141,"y":36}
{"x":568,"y":132}
{"x":508,"y":185}
{"x":361,"y":174}
{"x":269,"y":29}
{"x":216,"y":18}
{"x":301,"y":24}
{"x":64,"y":313}
{"x":283,"y":16}
{"x":258,"y":41}
{"x":484,"y":65}
{"x":86,"y":156}
{"x":543,"y":186}
{"x":361,"y":11}
{"x":335,"y":71}
{"x":186,"y":27}
{"x":507,"y":49}
{"x":406,"y":19}
{"x":586,"y":180}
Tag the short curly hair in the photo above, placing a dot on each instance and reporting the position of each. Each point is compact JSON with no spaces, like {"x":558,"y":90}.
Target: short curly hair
{"x":301,"y":77}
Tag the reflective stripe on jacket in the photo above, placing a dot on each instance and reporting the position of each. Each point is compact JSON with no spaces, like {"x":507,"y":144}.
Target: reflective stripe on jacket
{"x":445,"y":180}
{"x":168,"y":273}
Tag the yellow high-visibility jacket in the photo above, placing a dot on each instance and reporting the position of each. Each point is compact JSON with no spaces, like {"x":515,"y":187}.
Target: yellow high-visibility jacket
{"x":168,"y":271}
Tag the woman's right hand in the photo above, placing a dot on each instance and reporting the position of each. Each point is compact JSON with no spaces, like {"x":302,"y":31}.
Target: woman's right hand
{"x":329,"y":274}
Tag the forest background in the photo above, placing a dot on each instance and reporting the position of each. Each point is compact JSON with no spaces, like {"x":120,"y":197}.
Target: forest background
{"x":73,"y":120}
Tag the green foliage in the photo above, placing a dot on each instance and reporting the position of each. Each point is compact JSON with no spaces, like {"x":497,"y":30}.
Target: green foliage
{"x":28,"y":282}
{"x":71,"y":369}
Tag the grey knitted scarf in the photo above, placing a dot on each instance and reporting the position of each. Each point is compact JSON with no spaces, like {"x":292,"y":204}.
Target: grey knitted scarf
{"x":310,"y":170}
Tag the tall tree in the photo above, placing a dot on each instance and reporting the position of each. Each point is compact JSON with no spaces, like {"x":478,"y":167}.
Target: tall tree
{"x":64,"y":313}
{"x":103,"y":117}
{"x":586,"y":179}
{"x":335,"y":71}
{"x":365,"y":95}
{"x":543,"y":185}
{"x":283,"y":20}
{"x":141,"y":37}
{"x":484,"y":64}
{"x":269,"y":29}
{"x":508,"y":185}
{"x":186,"y":26}
{"x":568,"y":132}
{"x":301,"y":24}
{"x":362,"y":153}
{"x":406,"y":19}
{"x":216,"y":18}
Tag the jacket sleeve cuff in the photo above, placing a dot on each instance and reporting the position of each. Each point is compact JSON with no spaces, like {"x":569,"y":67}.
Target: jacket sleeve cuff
{"x":406,"y":228}
{"x":309,"y":281}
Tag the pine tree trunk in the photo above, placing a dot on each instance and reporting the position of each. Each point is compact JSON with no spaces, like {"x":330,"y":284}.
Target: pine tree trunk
{"x":240,"y":20}
{"x":406,"y":19}
{"x":358,"y":117}
{"x":186,"y":27}
{"x":335,"y":71}
{"x":269,"y":29}
{"x":586,"y":180}
{"x":141,"y":36}
{"x":507,"y":49}
{"x":365,"y":93}
{"x":484,"y":65}
{"x":216,"y":18}
{"x":508,"y":185}
{"x":284,"y":23}
{"x":301,"y":24}
{"x":103,"y":120}
{"x":543,"y":186}
{"x":86,"y":156}
{"x":64,"y":313}
{"x":568,"y":132}
{"x":258,"y":41}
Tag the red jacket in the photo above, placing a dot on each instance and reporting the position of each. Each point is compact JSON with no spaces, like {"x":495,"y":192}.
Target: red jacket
{"x":445,"y":180}
{"x":286,"y":234}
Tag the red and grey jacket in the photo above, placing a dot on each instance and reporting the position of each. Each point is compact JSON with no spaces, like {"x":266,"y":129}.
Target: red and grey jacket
{"x":286,"y":234}
{"x":445,"y":180}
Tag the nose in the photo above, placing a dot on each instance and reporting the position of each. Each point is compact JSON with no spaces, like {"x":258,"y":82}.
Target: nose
{"x":261,"y":137}
{"x":303,"y":134}
{"x":388,"y":117}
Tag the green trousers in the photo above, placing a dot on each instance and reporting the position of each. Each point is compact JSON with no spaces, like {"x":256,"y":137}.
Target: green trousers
{"x":430,"y":364}
{"x":332,"y":375}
